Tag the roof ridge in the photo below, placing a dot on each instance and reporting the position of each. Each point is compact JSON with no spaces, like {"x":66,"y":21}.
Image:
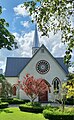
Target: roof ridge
{"x":18,"y":57}
{"x":59,"y":57}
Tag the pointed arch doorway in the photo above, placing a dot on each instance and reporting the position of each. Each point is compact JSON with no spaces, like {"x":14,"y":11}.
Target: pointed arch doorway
{"x":43,"y":97}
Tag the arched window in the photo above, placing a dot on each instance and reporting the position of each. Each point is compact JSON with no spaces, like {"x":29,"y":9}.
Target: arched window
{"x":56,"y":85}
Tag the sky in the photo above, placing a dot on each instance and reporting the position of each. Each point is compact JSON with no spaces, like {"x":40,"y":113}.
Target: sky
{"x":20,"y":25}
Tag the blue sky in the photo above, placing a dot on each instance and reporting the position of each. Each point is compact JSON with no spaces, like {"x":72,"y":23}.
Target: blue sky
{"x":20,"y":25}
{"x":13,"y":15}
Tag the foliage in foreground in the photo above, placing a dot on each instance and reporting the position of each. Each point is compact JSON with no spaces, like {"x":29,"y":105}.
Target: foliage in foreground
{"x":69,"y":87}
{"x":6,"y":38}
{"x":54,"y":15}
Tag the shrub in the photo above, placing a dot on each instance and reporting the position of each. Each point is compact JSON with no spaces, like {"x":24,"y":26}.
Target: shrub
{"x":34,"y":107}
{"x":3,"y":105}
{"x":15,"y":101}
{"x":48,"y":106}
{"x":59,"y":117}
{"x":34,"y":104}
{"x":53,"y":113}
{"x":6,"y":100}
{"x":70,"y":101}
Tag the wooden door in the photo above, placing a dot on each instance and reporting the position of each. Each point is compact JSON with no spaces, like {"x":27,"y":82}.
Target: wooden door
{"x":43,"y":97}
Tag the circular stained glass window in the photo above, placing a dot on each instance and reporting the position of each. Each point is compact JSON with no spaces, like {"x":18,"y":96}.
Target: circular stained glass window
{"x":42,"y":66}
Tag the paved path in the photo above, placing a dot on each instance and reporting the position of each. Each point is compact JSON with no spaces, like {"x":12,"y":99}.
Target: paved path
{"x":43,"y":104}
{"x":14,"y":105}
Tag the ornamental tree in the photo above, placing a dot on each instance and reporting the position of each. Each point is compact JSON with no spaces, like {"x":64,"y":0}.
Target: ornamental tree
{"x":54,"y":15}
{"x":69,"y":85}
{"x":33,"y":87}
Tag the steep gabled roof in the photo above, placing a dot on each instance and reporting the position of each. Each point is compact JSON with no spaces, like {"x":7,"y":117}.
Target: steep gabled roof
{"x":16,"y":65}
{"x":61,"y":63}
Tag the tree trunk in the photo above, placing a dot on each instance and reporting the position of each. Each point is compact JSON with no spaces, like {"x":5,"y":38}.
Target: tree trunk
{"x":63,"y":103}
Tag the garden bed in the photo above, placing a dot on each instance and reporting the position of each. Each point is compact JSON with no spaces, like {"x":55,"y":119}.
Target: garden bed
{"x":59,"y":117}
{"x":15,"y":101}
{"x":3,"y":105}
{"x":52,"y":113}
{"x":29,"y":107}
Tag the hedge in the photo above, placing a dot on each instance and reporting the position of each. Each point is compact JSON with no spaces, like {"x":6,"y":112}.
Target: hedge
{"x":3,"y":105}
{"x":70,"y":101}
{"x":33,"y":104}
{"x":32,"y":109}
{"x":58,"y":114}
{"x":59,"y":117}
{"x":15,"y":101}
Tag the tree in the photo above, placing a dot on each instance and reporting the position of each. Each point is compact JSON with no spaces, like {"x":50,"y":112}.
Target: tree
{"x":6,"y":38}
{"x":68,"y":91}
{"x":69,"y":85}
{"x":33,"y":87}
{"x":5,"y":87}
{"x":54,"y":15}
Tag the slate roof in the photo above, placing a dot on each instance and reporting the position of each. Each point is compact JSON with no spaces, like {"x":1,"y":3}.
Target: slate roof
{"x":61,"y":62}
{"x":16,"y":64}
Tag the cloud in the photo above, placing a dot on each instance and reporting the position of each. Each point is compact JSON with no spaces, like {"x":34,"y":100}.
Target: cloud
{"x":24,"y":41}
{"x":25,"y":23}
{"x":14,"y":22}
{"x":59,"y":49}
{"x":19,"y":10}
{"x":3,"y":9}
{"x":2,"y":59}
{"x":71,"y":69}
{"x":53,"y":43}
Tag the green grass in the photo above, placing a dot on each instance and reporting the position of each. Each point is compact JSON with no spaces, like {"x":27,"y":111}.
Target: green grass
{"x":16,"y":114}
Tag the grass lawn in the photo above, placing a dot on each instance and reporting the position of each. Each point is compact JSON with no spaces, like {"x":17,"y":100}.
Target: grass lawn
{"x":16,"y":114}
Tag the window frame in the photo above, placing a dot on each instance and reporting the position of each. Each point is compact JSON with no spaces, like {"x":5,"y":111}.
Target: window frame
{"x":56,"y":85}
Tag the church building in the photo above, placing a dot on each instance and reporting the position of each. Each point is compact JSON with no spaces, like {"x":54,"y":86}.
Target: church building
{"x":43,"y":65}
